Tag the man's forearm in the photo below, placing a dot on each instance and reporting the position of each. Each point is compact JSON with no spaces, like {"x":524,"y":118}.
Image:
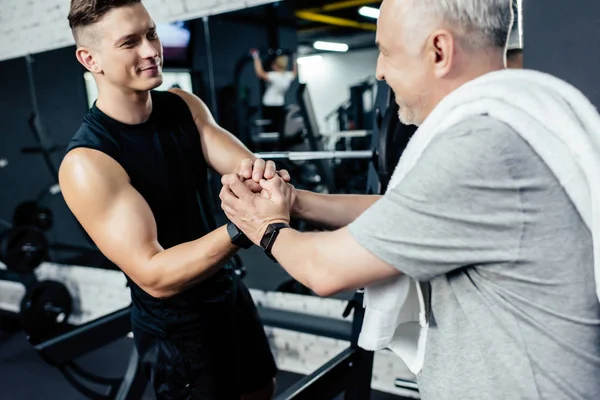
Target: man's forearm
{"x":318,"y":260}
{"x":299,"y":255}
{"x":331,"y":210}
{"x":188,"y":264}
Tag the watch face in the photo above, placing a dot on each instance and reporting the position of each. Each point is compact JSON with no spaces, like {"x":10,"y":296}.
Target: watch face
{"x":264,"y":242}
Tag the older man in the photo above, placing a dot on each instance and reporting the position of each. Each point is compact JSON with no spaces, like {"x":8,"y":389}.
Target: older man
{"x":480,"y":216}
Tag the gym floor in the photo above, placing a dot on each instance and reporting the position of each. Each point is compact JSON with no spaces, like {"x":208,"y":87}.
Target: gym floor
{"x":25,"y":376}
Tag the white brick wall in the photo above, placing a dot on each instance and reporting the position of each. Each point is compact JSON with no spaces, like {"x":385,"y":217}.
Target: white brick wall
{"x":34,"y":26}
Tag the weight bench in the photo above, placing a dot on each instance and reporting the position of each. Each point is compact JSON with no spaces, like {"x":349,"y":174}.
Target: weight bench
{"x":349,"y":369}
{"x":63,"y":350}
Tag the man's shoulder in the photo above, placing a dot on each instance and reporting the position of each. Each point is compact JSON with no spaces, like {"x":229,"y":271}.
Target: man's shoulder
{"x":93,"y":133}
{"x":482,"y":129}
{"x":480,"y":139}
{"x":475,"y":149}
{"x":177,"y":102}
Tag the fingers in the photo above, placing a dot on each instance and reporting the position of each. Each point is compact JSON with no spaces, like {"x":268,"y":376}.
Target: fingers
{"x":258,"y":170}
{"x":285,"y":175}
{"x":246,"y":168}
{"x":239,"y":189}
{"x":270,"y":170}
{"x":228,"y":179}
{"x":254,"y":187}
{"x":228,"y":199}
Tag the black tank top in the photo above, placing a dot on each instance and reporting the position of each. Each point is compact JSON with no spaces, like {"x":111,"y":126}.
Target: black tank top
{"x":164,"y":160}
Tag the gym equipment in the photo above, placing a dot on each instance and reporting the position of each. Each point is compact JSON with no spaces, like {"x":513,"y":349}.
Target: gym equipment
{"x":352,"y":115}
{"x":62,"y":351}
{"x":291,"y":133}
{"x":33,"y":213}
{"x":349,"y":372}
{"x":317,"y":155}
{"x":23,"y":249}
{"x":250,"y":130}
{"x":45,"y":308}
{"x":47,"y":149}
{"x":392,"y":140}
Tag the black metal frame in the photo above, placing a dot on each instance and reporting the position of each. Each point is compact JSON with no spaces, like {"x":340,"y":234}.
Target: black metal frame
{"x":62,"y":350}
{"x":313,"y":135}
{"x":348,"y":372}
{"x":321,"y":326}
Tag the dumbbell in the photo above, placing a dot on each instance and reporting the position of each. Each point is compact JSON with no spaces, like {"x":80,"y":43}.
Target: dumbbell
{"x":45,"y":308}
{"x":23,"y":248}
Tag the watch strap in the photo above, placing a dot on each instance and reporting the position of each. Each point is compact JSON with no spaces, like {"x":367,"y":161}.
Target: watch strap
{"x":269,"y":237}
{"x":238,"y":238}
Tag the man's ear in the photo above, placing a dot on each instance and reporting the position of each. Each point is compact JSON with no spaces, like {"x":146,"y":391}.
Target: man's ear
{"x":440,"y":48}
{"x":86,"y":58}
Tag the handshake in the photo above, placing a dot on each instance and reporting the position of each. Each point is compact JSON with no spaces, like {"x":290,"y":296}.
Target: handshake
{"x":257,"y":196}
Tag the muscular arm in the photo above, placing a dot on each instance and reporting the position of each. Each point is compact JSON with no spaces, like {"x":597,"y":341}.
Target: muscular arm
{"x":121,"y":224}
{"x":222,"y":150}
{"x":331,"y":210}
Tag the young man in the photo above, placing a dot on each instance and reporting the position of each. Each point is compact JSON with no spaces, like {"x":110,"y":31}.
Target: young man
{"x":479,"y":212}
{"x":135,"y":176}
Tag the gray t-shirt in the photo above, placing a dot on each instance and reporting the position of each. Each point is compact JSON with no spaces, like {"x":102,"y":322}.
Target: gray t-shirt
{"x":509,"y":260}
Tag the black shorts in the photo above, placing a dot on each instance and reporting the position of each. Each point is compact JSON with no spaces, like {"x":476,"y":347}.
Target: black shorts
{"x":231,"y":358}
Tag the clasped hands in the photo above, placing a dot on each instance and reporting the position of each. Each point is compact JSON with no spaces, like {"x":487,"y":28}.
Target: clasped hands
{"x":256,"y":197}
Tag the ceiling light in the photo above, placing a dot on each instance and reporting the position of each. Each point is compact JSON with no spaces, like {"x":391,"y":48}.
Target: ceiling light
{"x":369,"y":12}
{"x":330,"y":46}
{"x":309,"y":60}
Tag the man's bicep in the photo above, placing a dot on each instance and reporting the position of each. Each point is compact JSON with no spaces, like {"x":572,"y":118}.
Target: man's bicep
{"x":221,"y":149}
{"x":113,"y":213}
{"x":453,"y":209}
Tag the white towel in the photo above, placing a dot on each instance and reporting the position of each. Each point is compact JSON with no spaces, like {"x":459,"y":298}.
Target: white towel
{"x":562,"y":127}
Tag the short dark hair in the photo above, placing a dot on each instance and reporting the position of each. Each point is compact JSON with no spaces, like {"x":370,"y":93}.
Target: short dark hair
{"x":86,"y":12}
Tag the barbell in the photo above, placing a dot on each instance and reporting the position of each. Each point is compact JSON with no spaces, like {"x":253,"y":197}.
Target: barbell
{"x":392,"y":138}
{"x":317,"y":155}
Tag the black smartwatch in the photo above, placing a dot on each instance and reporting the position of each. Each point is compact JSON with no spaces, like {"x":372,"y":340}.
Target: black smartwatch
{"x":238,"y":238}
{"x":268,"y":239}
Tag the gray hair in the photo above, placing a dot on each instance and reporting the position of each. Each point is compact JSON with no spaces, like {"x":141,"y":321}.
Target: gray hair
{"x":482,"y":24}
